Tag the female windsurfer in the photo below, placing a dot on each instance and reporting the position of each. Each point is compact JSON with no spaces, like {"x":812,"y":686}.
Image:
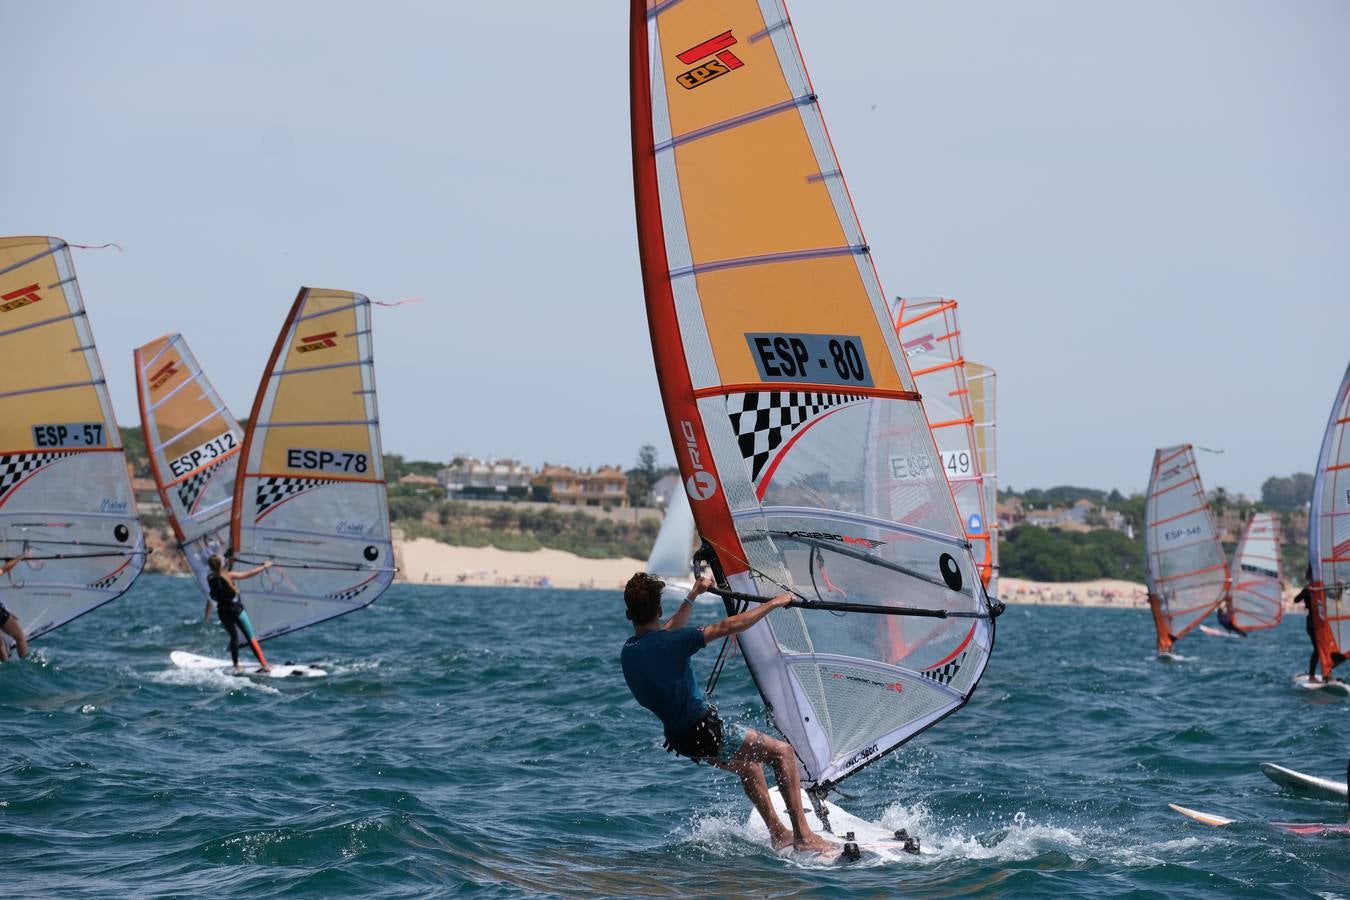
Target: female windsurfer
{"x":230,"y":608}
{"x":9,"y":624}
{"x":656,"y":665}
{"x":1225,"y":617}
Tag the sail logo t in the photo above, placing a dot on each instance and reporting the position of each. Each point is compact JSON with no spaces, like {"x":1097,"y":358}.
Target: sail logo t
{"x":722,"y":62}
{"x":22,"y":297}
{"x":317,"y":342}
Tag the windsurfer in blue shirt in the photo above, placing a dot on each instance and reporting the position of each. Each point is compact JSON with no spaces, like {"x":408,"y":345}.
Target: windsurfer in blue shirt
{"x":230,"y":608}
{"x":9,"y":624}
{"x":656,"y":665}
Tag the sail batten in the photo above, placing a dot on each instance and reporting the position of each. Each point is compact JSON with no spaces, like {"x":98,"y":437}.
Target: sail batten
{"x":797,"y":426}
{"x":64,"y":481}
{"x":311,"y":495}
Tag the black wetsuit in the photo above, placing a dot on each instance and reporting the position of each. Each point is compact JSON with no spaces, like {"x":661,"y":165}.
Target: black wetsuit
{"x":230,"y":609}
{"x":1225,"y":618}
{"x":4,"y":615}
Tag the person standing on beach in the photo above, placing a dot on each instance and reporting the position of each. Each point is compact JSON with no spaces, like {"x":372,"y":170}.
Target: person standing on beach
{"x":230,"y":608}
{"x":656,"y":666}
{"x":9,"y":623}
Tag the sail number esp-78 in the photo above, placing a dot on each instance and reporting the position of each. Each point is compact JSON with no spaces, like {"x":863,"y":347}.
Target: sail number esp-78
{"x":342,"y":462}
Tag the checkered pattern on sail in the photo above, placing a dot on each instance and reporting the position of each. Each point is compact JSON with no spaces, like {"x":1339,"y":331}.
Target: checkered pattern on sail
{"x":191,"y":489}
{"x":350,"y":592}
{"x":763,"y":420}
{"x":14,"y":467}
{"x":944,"y":673}
{"x":272,"y":491}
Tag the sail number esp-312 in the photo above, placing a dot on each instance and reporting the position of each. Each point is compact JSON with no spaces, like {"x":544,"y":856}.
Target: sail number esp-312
{"x":811,"y":358}
{"x":342,"y":462}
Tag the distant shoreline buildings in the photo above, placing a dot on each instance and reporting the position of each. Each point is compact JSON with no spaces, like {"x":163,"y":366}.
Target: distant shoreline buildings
{"x":472,"y":478}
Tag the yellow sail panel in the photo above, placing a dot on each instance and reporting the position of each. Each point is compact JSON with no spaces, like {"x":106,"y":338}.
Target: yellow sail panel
{"x":311,"y":495}
{"x":52,"y":376}
{"x":65,"y":494}
{"x":784,"y":286}
{"x":193,"y":443}
{"x":319,"y":405}
{"x":981,"y":381}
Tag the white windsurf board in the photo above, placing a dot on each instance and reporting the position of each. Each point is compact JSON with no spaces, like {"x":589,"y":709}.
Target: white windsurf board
{"x":1335,"y":688}
{"x":875,"y":841}
{"x":1308,"y":785}
{"x":184,"y":660}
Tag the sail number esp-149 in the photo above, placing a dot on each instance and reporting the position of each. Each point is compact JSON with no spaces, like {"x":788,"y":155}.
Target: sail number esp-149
{"x":343,"y":462}
{"x":811,"y":358}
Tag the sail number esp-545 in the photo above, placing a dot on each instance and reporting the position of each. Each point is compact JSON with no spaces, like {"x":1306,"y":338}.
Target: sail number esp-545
{"x":342,"y":462}
{"x":811,"y":358}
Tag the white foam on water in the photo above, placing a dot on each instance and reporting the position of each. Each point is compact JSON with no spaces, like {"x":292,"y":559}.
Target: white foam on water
{"x":210,"y":678}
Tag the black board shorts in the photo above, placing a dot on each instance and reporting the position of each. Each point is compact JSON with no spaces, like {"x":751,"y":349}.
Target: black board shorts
{"x":708,"y":738}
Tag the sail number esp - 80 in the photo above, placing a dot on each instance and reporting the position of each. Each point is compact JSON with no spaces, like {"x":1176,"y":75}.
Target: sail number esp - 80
{"x":811,"y":358}
{"x":342,"y":462}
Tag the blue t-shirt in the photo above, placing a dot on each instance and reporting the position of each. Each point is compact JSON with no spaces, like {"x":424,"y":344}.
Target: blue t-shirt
{"x":657,"y":668}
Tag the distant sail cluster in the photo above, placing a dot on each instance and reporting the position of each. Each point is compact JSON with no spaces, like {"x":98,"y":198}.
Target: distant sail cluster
{"x":302,"y":486}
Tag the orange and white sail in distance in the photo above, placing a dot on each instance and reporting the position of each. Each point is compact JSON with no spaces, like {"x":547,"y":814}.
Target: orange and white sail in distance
{"x":980,"y":380}
{"x":931,"y":339}
{"x":65,"y":492}
{"x":1256,"y":584}
{"x":1329,"y":533}
{"x":1184,"y":562}
{"x":797,"y":427}
{"x":193,"y":443}
{"x":310,"y":495}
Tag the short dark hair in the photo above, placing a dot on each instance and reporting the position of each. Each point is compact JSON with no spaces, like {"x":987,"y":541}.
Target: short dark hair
{"x":642,"y":596}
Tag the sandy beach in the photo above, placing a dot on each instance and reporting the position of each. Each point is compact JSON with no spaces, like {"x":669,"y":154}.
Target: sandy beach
{"x":425,"y":561}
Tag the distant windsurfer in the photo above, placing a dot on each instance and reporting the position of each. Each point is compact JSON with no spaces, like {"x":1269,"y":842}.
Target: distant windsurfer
{"x":1225,"y":617}
{"x":1305,"y":597}
{"x":1160,"y":624}
{"x":230,"y":608}
{"x":656,"y":665}
{"x":9,"y":623}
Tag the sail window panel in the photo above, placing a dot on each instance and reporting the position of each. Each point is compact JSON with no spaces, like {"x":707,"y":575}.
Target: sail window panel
{"x":748,"y":192}
{"x":857,"y":706}
{"x":732,"y":78}
{"x":791,"y":297}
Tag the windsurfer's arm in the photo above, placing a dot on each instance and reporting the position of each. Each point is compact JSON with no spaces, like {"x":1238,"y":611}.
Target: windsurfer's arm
{"x":738,"y":623}
{"x":249,"y":573}
{"x":206,"y":613}
{"x":681,"y":615}
{"x":4,"y":569}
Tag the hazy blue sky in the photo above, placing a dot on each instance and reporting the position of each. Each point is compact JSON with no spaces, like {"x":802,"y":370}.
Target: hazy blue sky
{"x":1143,"y":207}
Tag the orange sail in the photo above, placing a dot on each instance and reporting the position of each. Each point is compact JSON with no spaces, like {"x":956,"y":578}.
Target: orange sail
{"x":796,"y":424}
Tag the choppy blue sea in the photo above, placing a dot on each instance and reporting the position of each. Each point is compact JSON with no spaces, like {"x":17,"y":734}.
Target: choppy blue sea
{"x":481,"y":741}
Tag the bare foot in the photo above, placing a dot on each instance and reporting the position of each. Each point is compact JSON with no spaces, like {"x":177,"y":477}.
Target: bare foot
{"x":780,"y":838}
{"x":814,"y":843}
{"x":239,"y":670}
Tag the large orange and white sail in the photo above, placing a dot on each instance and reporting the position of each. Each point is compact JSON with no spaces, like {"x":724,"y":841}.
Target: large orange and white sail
{"x":65,"y":492}
{"x":1256,"y":584}
{"x":797,"y":427}
{"x":1184,"y":563}
{"x":311,"y":494}
{"x":1329,"y":532}
{"x":980,"y":380}
{"x":931,"y":339}
{"x":193,"y":442}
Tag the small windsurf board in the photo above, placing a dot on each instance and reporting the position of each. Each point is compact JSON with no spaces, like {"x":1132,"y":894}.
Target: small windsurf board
{"x":184,"y":660}
{"x":1291,"y":827}
{"x":1217,"y":632}
{"x":1307,"y":785}
{"x":1335,"y":688}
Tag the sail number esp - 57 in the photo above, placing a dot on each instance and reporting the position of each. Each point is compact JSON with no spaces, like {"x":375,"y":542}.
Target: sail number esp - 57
{"x":69,"y":434}
{"x":811,"y":358}
{"x":342,"y":462}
